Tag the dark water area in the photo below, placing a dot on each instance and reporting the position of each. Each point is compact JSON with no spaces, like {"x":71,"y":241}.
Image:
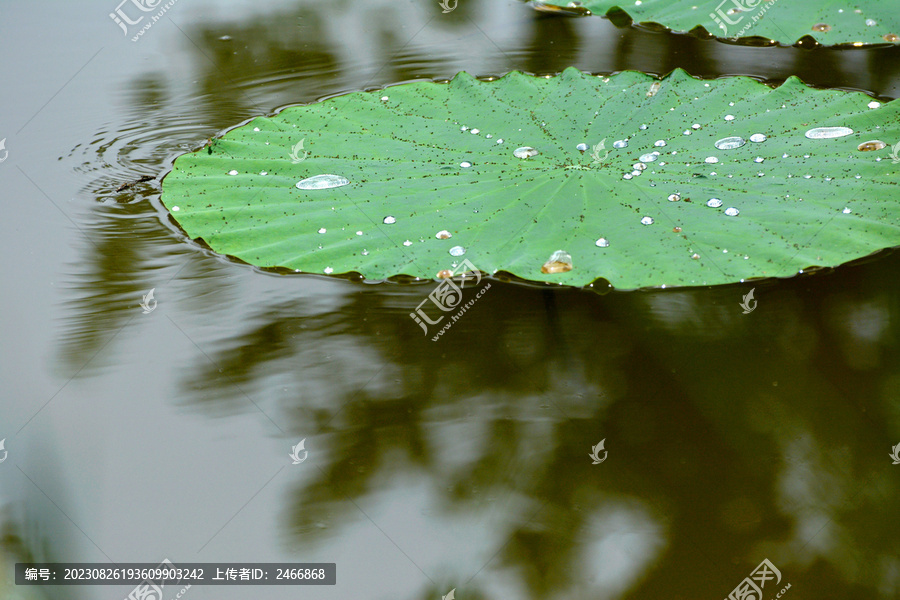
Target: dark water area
{"x":463,"y":463}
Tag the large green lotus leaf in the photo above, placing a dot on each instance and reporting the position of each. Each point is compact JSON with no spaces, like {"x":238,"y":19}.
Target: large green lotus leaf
{"x":406,"y":152}
{"x":829,"y":22}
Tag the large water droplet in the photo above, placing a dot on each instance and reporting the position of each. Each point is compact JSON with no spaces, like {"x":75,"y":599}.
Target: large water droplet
{"x":871,"y":146}
{"x":729,"y":117}
{"x":732,"y":212}
{"x":730,"y":143}
{"x":389,"y":220}
{"x":475,"y":131}
{"x":874,"y":104}
{"x":620,"y":144}
{"x":674,"y":197}
{"x":322,"y":182}
{"x":758,"y":137}
{"x":465,"y":164}
{"x":659,"y":143}
{"x":714,"y":203}
{"x":559,"y":262}
{"x":525,"y":152}
{"x":582,"y":147}
{"x":823,"y":133}
{"x":647,"y":220}
{"x":711,"y":160}
{"x":443,"y":235}
{"x":602,"y":243}
{"x":457,"y":251}
{"x":639,"y":166}
{"x":649,"y":157}
{"x":695,"y":126}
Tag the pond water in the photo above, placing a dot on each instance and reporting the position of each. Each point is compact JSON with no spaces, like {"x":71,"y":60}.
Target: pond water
{"x":134,"y":435}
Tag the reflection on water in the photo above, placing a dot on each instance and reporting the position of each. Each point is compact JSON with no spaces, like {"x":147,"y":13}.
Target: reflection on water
{"x":730,"y":437}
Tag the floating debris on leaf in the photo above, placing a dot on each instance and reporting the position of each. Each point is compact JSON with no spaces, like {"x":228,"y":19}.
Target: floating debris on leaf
{"x":560,"y":262}
{"x":322,"y":182}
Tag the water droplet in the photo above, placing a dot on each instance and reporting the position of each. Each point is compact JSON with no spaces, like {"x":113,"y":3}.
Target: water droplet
{"x":407,"y":243}
{"x":659,"y":143}
{"x":871,"y":146}
{"x":443,"y":235}
{"x":475,"y":131}
{"x":643,"y":126}
{"x":457,"y":251}
{"x":821,"y":27}
{"x":582,"y":147}
{"x":846,"y":211}
{"x":687,"y":132}
{"x":359,"y":233}
{"x":639,"y":166}
{"x":730,"y":143}
{"x":871,"y":22}
{"x":732,"y":212}
{"x":647,"y":221}
{"x":263,"y":172}
{"x":695,"y":256}
{"x":329,"y":270}
{"x":559,"y":262}
{"x":874,"y":104}
{"x":823,"y":133}
{"x":620,"y":144}
{"x":463,"y":128}
{"x":695,"y":126}
{"x":365,"y":252}
{"x":389,"y":220}
{"x":465,"y":164}
{"x":758,"y":137}
{"x":500,"y":141}
{"x":711,"y":160}
{"x":322,"y":182}
{"x":759,"y":159}
{"x":322,"y":230}
{"x":489,"y":136}
{"x":525,"y":152}
{"x":232,"y":172}
{"x":602,"y":243}
{"x":714,"y":203}
{"x":384,"y":98}
{"x":627,"y":176}
{"x":635,"y":173}
{"x":729,"y":117}
{"x":649,"y":157}
{"x":674,"y":197}
{"x":175,"y":209}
